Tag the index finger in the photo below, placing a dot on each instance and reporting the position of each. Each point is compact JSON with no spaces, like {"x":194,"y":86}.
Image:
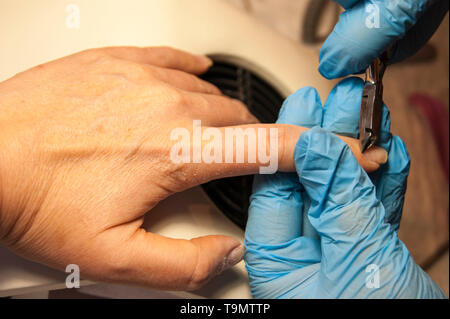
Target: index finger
{"x":214,"y":153}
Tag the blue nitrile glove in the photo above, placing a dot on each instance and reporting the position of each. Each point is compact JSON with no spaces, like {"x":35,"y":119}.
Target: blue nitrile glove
{"x":355,"y":221}
{"x":359,"y":37}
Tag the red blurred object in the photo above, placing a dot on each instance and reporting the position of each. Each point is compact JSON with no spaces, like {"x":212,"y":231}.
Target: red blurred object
{"x":437,"y":117}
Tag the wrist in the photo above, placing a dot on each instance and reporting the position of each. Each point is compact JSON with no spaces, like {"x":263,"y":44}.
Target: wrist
{"x":5,"y":141}
{"x":18,"y":196}
{"x":2,"y":209}
{"x":2,"y":168}
{"x":8,"y":201}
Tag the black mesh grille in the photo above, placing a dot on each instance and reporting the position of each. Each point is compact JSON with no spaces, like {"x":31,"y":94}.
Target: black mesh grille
{"x":231,"y":195}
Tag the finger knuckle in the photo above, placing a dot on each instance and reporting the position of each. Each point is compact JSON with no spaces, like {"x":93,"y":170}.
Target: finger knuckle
{"x":177,"y":98}
{"x":140,"y":71}
{"x":202,"y":105}
{"x":92,"y":54}
{"x":165,"y":55}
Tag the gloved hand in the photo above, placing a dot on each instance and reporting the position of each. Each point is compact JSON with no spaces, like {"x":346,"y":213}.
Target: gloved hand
{"x":368,"y":27}
{"x":355,"y":252}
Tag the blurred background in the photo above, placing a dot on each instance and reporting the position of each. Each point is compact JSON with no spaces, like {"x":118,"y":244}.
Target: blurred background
{"x":417,"y":93}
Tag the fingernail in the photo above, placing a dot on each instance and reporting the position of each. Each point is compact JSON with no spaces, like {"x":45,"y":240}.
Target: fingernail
{"x":377,"y":155}
{"x":205,"y":60}
{"x":234,"y":256}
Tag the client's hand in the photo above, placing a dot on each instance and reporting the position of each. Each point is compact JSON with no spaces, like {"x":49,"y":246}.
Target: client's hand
{"x":85,"y":145}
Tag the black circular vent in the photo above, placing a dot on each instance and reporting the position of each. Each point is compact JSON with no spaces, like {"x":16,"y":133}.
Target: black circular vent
{"x":231,"y":195}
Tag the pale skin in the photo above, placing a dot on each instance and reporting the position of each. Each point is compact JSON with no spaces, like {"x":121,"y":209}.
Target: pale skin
{"x":84,"y":155}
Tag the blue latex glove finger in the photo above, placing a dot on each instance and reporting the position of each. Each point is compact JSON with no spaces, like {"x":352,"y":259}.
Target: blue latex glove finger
{"x":302,"y":108}
{"x":342,"y":108}
{"x":391,"y":181}
{"x":350,"y":220}
{"x":308,"y":101}
{"x":275,"y":249}
{"x":358,"y":38}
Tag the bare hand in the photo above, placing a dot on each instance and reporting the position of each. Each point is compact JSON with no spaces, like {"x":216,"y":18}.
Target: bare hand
{"x":84,"y":154}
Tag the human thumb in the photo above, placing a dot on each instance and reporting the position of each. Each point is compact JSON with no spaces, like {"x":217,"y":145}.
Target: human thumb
{"x":159,"y":262}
